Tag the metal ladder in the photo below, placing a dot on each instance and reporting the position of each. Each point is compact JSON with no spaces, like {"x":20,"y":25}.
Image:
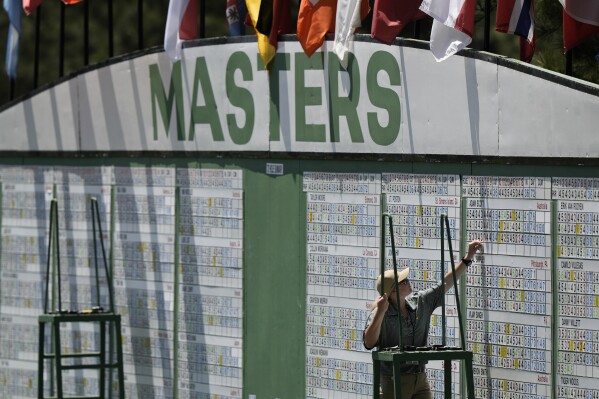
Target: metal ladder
{"x":446,"y":354}
{"x":105,"y":319}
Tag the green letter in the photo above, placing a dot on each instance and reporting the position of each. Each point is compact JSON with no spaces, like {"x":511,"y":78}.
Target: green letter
{"x":383,"y":98}
{"x":305,"y":96}
{"x":347,"y":106}
{"x":165,"y":105}
{"x":207,"y":113}
{"x":240,"y":97}
{"x":279,"y":63}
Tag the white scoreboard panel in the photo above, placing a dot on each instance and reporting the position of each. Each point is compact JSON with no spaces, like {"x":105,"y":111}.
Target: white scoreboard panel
{"x":144,"y":255}
{"x":210,"y":308}
{"x":509,"y":286}
{"x":577,"y":287}
{"x":26,"y":195}
{"x":416,"y":203}
{"x":343,"y":236}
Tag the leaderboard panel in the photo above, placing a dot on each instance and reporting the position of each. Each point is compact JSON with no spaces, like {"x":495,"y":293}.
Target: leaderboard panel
{"x":416,"y":203}
{"x":343,"y":243}
{"x":210,"y":304}
{"x":74,"y":187}
{"x":577,"y":287}
{"x":143,"y":252}
{"x":26,"y":195}
{"x":508,"y":292}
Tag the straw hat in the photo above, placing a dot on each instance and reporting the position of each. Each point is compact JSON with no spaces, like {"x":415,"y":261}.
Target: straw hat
{"x":390,"y":278}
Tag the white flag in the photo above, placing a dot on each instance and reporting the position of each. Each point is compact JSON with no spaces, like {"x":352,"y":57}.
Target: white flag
{"x":453,"y":24}
{"x":172,"y":41}
{"x":347,"y":20}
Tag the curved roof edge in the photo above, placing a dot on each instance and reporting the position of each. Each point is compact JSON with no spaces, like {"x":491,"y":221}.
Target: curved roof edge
{"x":555,"y":77}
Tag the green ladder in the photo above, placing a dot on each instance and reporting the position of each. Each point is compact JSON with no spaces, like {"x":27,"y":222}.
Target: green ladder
{"x":97,"y":315}
{"x":399,"y":356}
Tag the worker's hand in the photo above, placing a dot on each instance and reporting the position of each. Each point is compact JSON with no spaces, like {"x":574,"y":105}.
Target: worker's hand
{"x":382,"y":303}
{"x":472,"y":247}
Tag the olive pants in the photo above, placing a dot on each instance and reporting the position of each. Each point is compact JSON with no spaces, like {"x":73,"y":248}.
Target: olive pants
{"x":413,"y":386}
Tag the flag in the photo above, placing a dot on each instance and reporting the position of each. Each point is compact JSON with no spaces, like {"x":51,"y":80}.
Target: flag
{"x":274,"y":19}
{"x":390,"y":17}
{"x":180,"y":25}
{"x":13,"y":9}
{"x":30,"y":5}
{"x":236,"y":13}
{"x":265,"y":49}
{"x":348,"y":18}
{"x":581,"y":21}
{"x":315,"y":19}
{"x":71,"y":2}
{"x":517,"y":18}
{"x":453,"y":25}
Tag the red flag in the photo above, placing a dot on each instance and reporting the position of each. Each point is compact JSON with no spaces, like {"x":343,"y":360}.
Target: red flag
{"x":314,"y":21}
{"x":581,"y":22}
{"x":188,"y":30}
{"x":30,"y":5}
{"x":70,"y":2}
{"x":390,"y":17}
{"x":281,"y":21}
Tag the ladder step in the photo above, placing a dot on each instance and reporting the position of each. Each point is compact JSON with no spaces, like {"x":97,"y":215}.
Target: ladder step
{"x":74,"y":397}
{"x":89,"y":366}
{"x":73,"y":355}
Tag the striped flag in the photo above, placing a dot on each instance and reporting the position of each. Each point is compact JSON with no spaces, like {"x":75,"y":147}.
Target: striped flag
{"x":180,"y":25}
{"x":14,"y":10}
{"x":453,"y":25}
{"x":516,"y":17}
{"x":581,"y":21}
{"x":236,"y":14}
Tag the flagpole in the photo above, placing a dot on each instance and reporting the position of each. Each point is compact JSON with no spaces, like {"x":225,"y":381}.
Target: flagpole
{"x":487,"y":25}
{"x":569,"y":60}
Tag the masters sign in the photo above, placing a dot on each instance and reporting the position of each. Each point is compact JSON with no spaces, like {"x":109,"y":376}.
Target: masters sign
{"x":221,"y":98}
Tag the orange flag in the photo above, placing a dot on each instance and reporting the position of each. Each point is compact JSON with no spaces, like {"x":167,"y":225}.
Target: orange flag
{"x":314,"y":21}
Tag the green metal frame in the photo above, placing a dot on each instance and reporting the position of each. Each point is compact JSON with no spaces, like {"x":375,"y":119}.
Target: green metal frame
{"x":54,"y":319}
{"x":397,"y":357}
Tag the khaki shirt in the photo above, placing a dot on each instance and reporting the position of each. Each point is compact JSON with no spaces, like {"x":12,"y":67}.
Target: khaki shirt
{"x":421,"y":306}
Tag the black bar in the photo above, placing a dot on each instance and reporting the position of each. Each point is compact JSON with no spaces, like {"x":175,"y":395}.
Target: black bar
{"x":85,"y":33}
{"x":92,"y":203}
{"x":61,"y":44}
{"x":486,"y":43}
{"x":140,"y":24}
{"x":50,"y":235}
{"x":392,"y":236}
{"x":569,"y":61}
{"x":202,"y":19}
{"x":455,"y":285}
{"x":443,"y":337}
{"x":11,"y":84}
{"x":110,"y":30}
{"x":36,"y":61}
{"x":417,"y":29}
